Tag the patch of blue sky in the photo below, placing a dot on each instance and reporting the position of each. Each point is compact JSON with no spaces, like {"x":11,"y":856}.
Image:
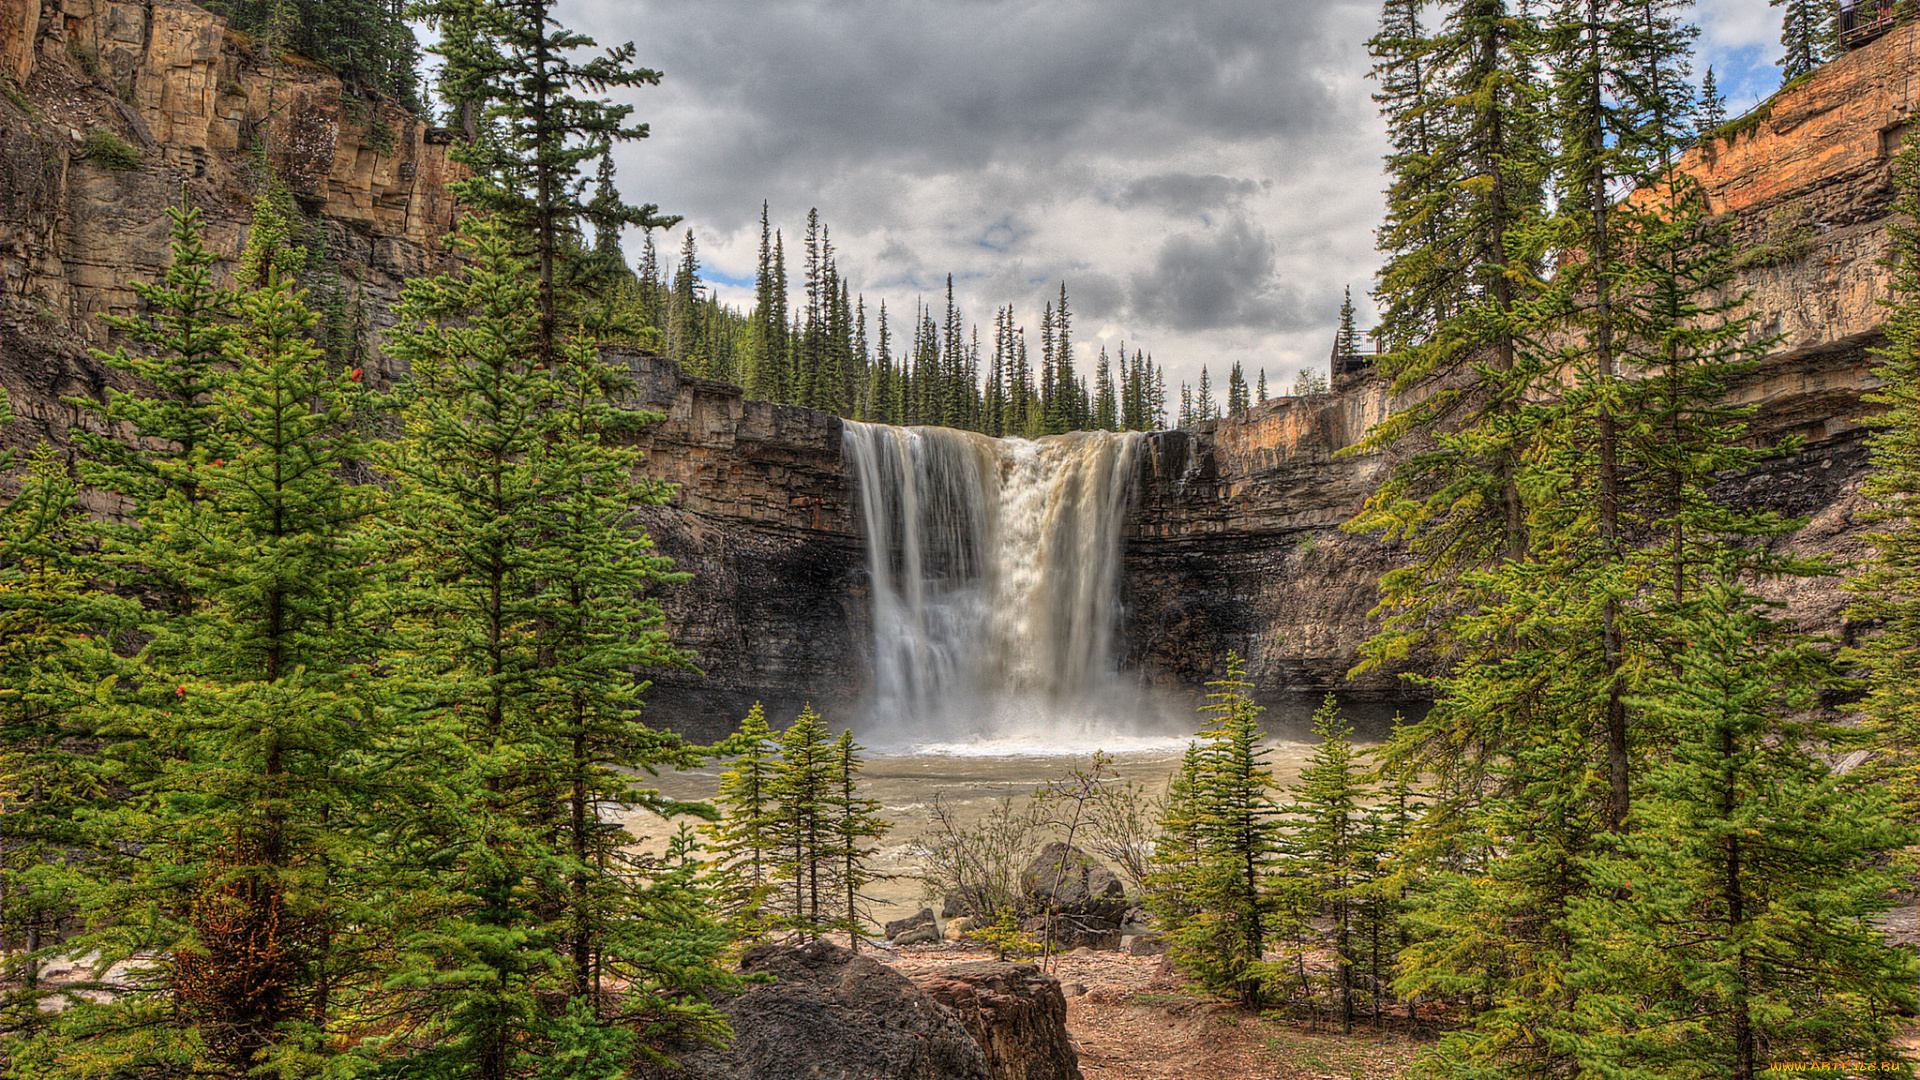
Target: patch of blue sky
{"x":715,"y":277}
{"x":1746,"y":75}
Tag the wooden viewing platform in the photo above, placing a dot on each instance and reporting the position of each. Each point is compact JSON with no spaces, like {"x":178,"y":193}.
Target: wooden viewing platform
{"x":1865,"y":20}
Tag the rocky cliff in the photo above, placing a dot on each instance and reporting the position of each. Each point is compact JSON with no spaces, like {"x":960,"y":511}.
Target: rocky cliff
{"x":114,"y":111}
{"x":1234,"y":542}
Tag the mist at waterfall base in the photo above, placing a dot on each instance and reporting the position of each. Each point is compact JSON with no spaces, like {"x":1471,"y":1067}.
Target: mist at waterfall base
{"x":993,"y":572}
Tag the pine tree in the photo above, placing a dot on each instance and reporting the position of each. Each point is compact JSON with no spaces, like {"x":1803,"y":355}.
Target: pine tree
{"x":235,"y":721}
{"x":1463,"y":250}
{"x":1886,"y":591}
{"x":1809,"y":34}
{"x":1236,"y":390}
{"x":518,"y":63}
{"x":47,"y":659}
{"x":1204,"y":408}
{"x":1105,"y":407}
{"x":1736,"y":934}
{"x":743,"y":840}
{"x":1328,"y":840}
{"x":1260,"y":388}
{"x":1713,"y":107}
{"x":804,"y":825}
{"x":1346,"y":342}
{"x":855,"y":821}
{"x":501,"y":477}
{"x":1224,"y":834}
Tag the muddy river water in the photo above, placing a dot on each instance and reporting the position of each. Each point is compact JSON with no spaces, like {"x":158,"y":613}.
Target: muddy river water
{"x":971,"y":779}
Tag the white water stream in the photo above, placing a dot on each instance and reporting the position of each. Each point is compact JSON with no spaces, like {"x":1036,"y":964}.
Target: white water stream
{"x":994,"y":569}
{"x":994,"y":572}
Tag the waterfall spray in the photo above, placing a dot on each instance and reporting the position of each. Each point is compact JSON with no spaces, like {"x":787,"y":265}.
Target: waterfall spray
{"x":994,"y":567}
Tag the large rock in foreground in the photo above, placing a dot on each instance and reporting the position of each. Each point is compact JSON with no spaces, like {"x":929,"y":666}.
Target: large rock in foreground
{"x":1065,"y":880}
{"x":830,"y":1014}
{"x":1017,"y":1015}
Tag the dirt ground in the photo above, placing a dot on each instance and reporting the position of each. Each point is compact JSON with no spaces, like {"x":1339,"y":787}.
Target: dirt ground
{"x":1131,"y":1022}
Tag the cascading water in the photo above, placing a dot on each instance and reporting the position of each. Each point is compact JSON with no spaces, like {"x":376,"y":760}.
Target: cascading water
{"x":995,"y":572}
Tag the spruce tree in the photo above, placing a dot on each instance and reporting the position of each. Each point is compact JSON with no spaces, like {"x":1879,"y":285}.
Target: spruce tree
{"x":1224,"y":836}
{"x":48,"y":660}
{"x":1204,"y":408}
{"x":1236,"y":390}
{"x":855,"y":821}
{"x":518,"y":63}
{"x":239,"y":725}
{"x":1463,"y":253}
{"x":1735,"y":930}
{"x":1886,"y":591}
{"x":804,"y":825}
{"x":742,"y":841}
{"x":1809,"y":36}
{"x":511,"y":515}
{"x":1328,"y":841}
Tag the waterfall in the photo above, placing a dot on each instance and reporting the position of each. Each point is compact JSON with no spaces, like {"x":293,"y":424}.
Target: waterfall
{"x":995,"y":576}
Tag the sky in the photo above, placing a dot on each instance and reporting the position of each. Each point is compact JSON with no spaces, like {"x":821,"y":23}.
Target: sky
{"x":1204,"y":176}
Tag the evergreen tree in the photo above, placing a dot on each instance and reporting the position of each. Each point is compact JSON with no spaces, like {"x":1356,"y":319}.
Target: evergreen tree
{"x":1744,"y":937}
{"x":1346,"y":342}
{"x":1204,"y":408}
{"x":500,"y":478}
{"x":1236,"y":390}
{"x":1463,"y":251}
{"x":47,"y":661}
{"x":855,"y":821}
{"x":684,"y":330}
{"x":1328,"y":841}
{"x":518,"y":63}
{"x":1809,"y":34}
{"x":804,"y":825}
{"x":234,"y":723}
{"x":1886,"y":591}
{"x":1260,"y":388}
{"x":1105,"y":407}
{"x":743,"y":840}
{"x":367,"y":42}
{"x":1713,"y":106}
{"x":1223,"y":837}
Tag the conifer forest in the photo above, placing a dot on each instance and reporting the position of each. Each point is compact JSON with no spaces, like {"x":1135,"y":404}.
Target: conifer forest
{"x":323,"y":704}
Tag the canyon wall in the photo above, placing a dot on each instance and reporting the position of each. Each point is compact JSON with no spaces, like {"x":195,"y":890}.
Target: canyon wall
{"x":1234,"y":542}
{"x":207,"y":119}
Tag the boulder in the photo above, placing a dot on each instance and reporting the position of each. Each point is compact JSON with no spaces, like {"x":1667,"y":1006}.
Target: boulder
{"x":1015,"y":1012}
{"x":1149,"y":944}
{"x":958,"y":927}
{"x":913,"y":922}
{"x":830,"y":1014}
{"x":919,"y":935}
{"x":1072,"y":931}
{"x":1066,"y":880}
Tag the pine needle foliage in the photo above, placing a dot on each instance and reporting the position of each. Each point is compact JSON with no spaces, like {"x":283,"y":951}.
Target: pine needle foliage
{"x":528,"y":613}
{"x":741,"y":844}
{"x":1733,"y":929}
{"x":1223,"y":843}
{"x":235,"y":722}
{"x":1330,"y":844}
{"x":1886,"y":590}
